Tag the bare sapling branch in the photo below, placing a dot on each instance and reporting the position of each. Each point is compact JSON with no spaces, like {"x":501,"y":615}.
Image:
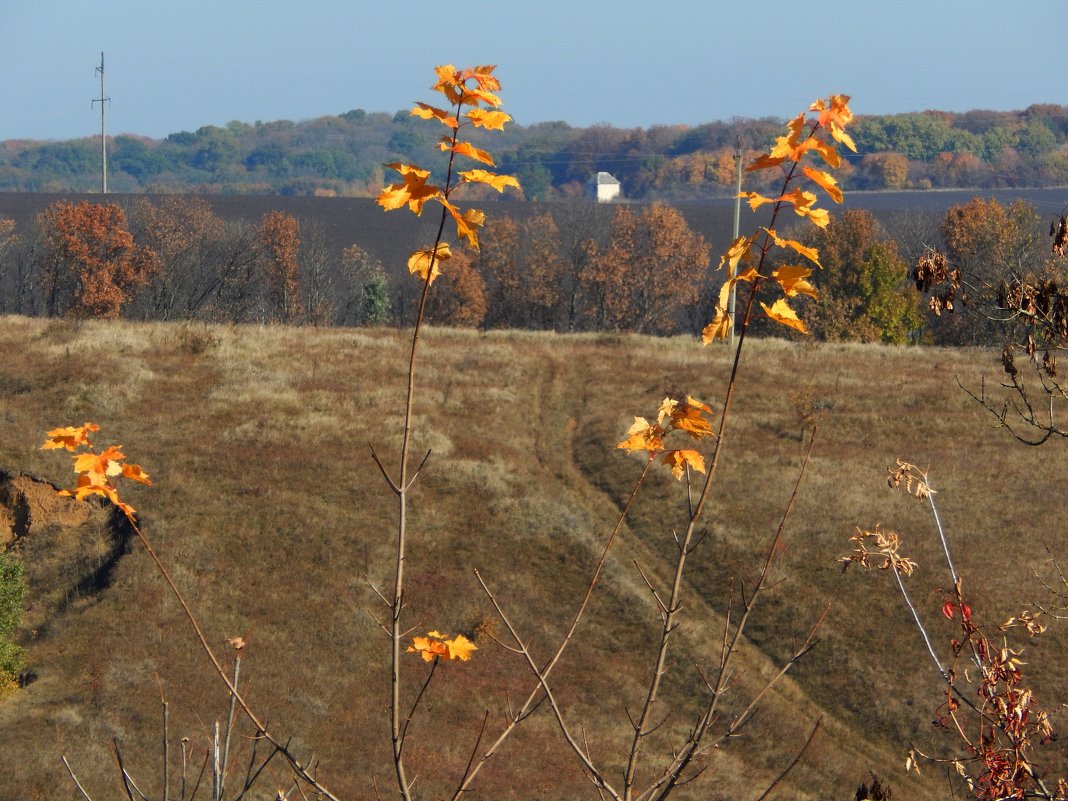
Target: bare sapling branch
{"x":471,"y":102}
{"x":95,"y":471}
{"x":995,"y":716}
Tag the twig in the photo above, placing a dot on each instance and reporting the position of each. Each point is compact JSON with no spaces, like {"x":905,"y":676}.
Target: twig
{"x":74,"y":778}
{"x":535,"y":697}
{"x":595,"y":775}
{"x":793,"y":764}
{"x":126,"y":782}
{"x":415,"y":704}
{"x":474,"y":751}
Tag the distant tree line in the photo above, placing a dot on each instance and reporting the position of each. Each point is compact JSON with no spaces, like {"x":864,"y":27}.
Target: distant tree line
{"x":344,"y":154}
{"x":572,"y":267}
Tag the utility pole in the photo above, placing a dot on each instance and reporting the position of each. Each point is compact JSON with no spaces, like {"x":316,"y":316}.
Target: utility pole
{"x":737,"y":219}
{"x":102,"y":100}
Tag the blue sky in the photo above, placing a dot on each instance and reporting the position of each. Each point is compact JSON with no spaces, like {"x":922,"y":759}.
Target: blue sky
{"x":173,"y":66}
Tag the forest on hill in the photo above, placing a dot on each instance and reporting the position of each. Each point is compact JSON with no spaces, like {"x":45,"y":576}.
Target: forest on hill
{"x":345,"y":155}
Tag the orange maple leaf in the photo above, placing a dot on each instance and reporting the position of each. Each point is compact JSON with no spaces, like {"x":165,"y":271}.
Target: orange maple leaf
{"x":428,"y":112}
{"x":826,"y":181}
{"x":756,"y":200}
{"x":739,"y":250}
{"x":803,"y":201}
{"x":642,"y":436}
{"x":107,"y":463}
{"x":835,"y":115}
{"x":764,"y":162}
{"x":466,"y":221}
{"x":828,"y":154}
{"x":414,"y":190}
{"x":498,"y":182}
{"x":793,"y":278}
{"x":439,"y":646}
{"x":490,"y":120}
{"x":94,"y":469}
{"x":781,"y":312}
{"x":721,"y":324}
{"x":135,"y":473}
{"x":428,"y":260}
{"x":688,"y":417}
{"x":792,"y":146}
{"x":466,"y":149}
{"x":809,"y":253}
{"x":70,"y":438}
{"x":719,"y":328}
{"x":679,"y":459}
{"x":460,"y":647}
{"x":665,"y":411}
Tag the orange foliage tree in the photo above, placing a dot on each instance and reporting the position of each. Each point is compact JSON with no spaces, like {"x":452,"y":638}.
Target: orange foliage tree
{"x":498,"y":264}
{"x":91,"y":265}
{"x":544,"y":271}
{"x":460,"y":299}
{"x":653,"y":268}
{"x":523,"y":268}
{"x":279,"y":245}
{"x":864,"y":294}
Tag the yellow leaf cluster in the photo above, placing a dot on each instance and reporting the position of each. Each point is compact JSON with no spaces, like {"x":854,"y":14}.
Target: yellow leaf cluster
{"x":95,"y":470}
{"x":436,"y":645}
{"x":673,"y":415}
{"x":469,"y":92}
{"x":820,"y":135}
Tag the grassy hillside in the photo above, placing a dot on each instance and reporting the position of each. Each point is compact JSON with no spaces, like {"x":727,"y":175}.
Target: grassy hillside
{"x":277,"y":524}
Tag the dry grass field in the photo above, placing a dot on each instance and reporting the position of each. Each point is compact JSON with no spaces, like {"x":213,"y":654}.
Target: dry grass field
{"x":275,"y":521}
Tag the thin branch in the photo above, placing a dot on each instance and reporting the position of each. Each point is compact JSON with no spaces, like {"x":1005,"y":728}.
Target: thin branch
{"x":535,"y":697}
{"x":122,"y":770}
{"x":652,"y":589}
{"x":385,"y":474}
{"x":74,"y":778}
{"x":793,"y":764}
{"x":595,"y":775}
{"x":415,"y":704}
{"x":229,"y":727}
{"x":415,"y":474}
{"x":300,"y":769}
{"x":474,"y":752}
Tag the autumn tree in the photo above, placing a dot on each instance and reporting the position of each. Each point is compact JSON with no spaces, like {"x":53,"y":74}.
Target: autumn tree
{"x":8,"y":241}
{"x":653,"y":266}
{"x":189,"y":240}
{"x":279,"y":250}
{"x":90,"y":262}
{"x":545,"y":267}
{"x":583,"y":229}
{"x":864,"y":293}
{"x":1026,"y":307}
{"x":522,"y":266}
{"x":883,"y":171}
{"x":497,"y":262}
{"x":459,"y":297}
{"x":366,"y":289}
{"x":991,"y":244}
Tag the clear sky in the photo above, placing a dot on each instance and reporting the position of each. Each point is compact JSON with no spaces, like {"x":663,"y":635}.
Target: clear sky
{"x":174,"y":65}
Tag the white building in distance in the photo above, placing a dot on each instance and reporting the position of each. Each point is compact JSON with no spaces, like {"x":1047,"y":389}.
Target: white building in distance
{"x":602,"y":187}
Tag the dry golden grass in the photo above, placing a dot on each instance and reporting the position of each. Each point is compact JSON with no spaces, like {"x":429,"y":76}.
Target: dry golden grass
{"x":270,"y":511}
